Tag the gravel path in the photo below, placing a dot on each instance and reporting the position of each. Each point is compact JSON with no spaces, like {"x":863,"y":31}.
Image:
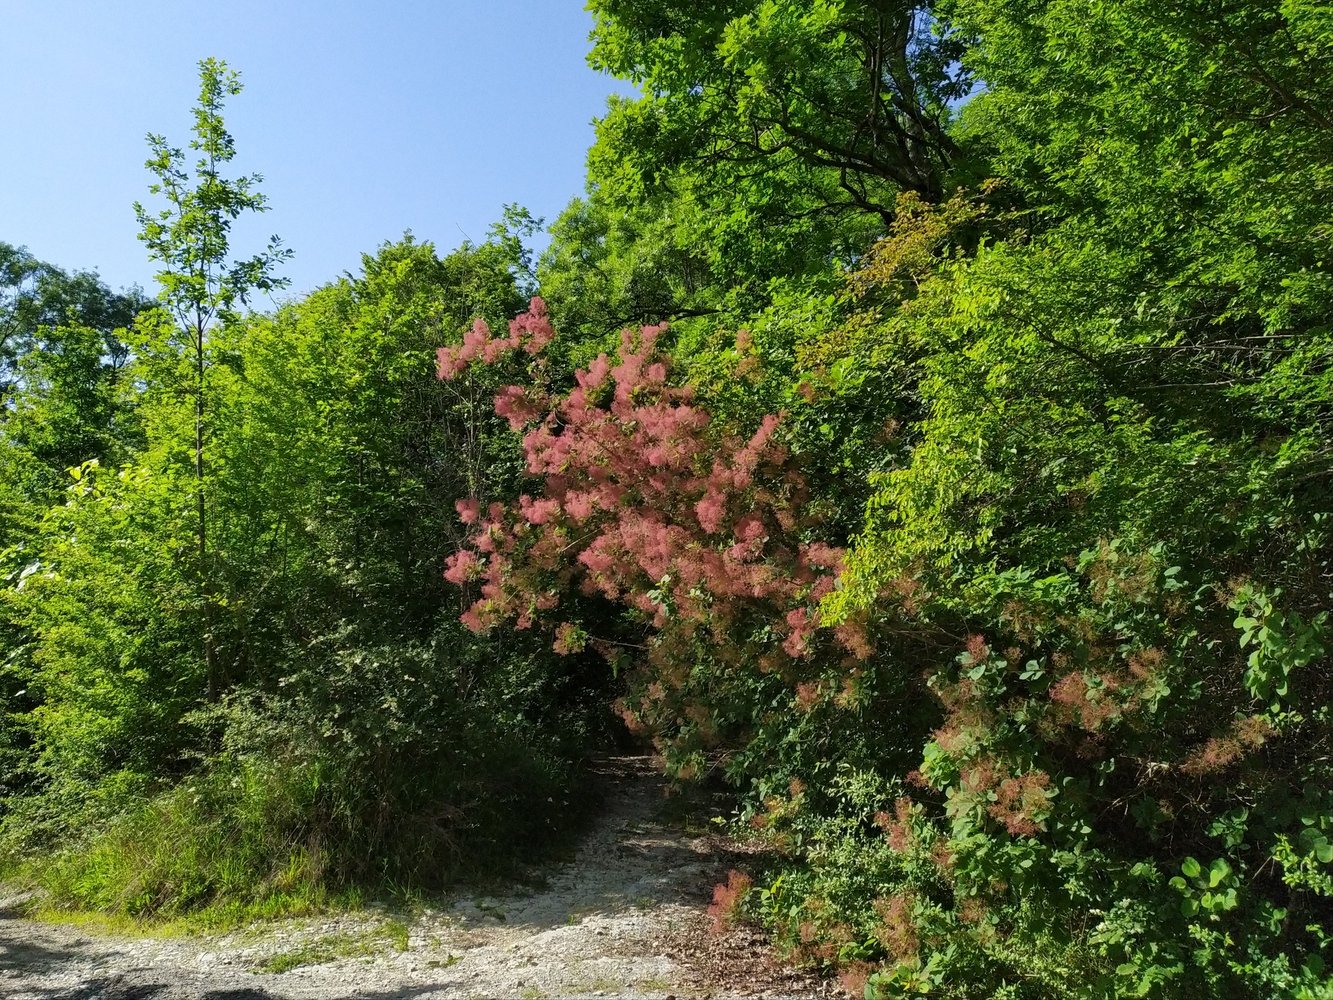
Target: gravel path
{"x":625,"y":918}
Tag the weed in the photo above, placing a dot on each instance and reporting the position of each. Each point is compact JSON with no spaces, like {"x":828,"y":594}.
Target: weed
{"x":319,"y":952}
{"x":602,"y":984}
{"x":399,"y":934}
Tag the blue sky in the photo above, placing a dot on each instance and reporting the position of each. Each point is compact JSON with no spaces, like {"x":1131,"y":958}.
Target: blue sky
{"x":365,"y":119}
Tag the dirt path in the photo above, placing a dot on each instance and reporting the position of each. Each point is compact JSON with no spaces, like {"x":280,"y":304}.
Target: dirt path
{"x":625,"y":918}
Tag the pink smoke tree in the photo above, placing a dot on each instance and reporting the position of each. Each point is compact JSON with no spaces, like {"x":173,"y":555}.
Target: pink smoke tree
{"x":699,"y":532}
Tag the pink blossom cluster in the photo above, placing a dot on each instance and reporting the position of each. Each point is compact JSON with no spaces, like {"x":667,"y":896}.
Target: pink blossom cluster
{"x":645,"y":502}
{"x":530,"y":332}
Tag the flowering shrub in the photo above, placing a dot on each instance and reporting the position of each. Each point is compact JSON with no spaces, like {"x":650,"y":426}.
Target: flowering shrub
{"x":727,"y":899}
{"x":699,"y":531}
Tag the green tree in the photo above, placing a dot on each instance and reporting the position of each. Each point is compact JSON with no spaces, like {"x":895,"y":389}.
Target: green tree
{"x":858,"y":90}
{"x":201,"y":285}
{"x":38,"y":299}
{"x":63,"y":357}
{"x":1116,"y":485}
{"x":769,"y":144}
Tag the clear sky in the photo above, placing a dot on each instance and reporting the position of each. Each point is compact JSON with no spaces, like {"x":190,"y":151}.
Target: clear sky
{"x":366,"y":119}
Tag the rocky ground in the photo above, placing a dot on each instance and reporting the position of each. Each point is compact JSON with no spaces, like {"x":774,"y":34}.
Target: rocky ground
{"x":624,"y":918}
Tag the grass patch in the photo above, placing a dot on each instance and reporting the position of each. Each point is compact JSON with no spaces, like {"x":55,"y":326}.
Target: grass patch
{"x":216,"y":918}
{"x":112,"y":924}
{"x":223,"y":848}
{"x":602,"y":984}
{"x":327,"y":949}
{"x":261,"y":838}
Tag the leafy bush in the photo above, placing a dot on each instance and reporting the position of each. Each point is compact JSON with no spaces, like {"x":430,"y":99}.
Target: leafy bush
{"x":363,"y":737}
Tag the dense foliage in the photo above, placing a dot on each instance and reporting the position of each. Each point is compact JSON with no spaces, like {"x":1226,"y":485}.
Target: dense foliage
{"x":923,"y":430}
{"x":230,"y":629}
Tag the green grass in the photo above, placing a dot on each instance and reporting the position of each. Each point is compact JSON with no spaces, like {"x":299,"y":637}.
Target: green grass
{"x":398,"y":933}
{"x":216,"y":918}
{"x":329,"y":948}
{"x":222,"y":848}
{"x":112,"y":924}
{"x":246,"y":840}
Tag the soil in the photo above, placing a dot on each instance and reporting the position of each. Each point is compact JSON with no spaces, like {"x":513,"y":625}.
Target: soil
{"x":624,"y":918}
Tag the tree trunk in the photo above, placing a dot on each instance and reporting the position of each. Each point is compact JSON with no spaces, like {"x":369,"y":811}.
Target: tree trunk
{"x":214,"y":678}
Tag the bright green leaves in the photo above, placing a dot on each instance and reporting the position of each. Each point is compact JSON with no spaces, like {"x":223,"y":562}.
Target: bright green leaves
{"x":189,"y":237}
{"x":1116,"y":474}
{"x":1280,"y":642}
{"x":201,"y":286}
{"x":1305,"y":863}
{"x":332,"y":446}
{"x":1211,"y":892}
{"x":772,"y":137}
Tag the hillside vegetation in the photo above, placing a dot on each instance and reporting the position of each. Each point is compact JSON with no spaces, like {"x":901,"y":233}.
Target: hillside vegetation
{"x":921,"y":427}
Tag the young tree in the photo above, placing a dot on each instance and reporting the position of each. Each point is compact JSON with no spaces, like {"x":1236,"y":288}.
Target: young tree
{"x":201,"y":285}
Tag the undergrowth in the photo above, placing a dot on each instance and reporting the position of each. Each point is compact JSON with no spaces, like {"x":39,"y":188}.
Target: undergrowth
{"x":261,"y":837}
